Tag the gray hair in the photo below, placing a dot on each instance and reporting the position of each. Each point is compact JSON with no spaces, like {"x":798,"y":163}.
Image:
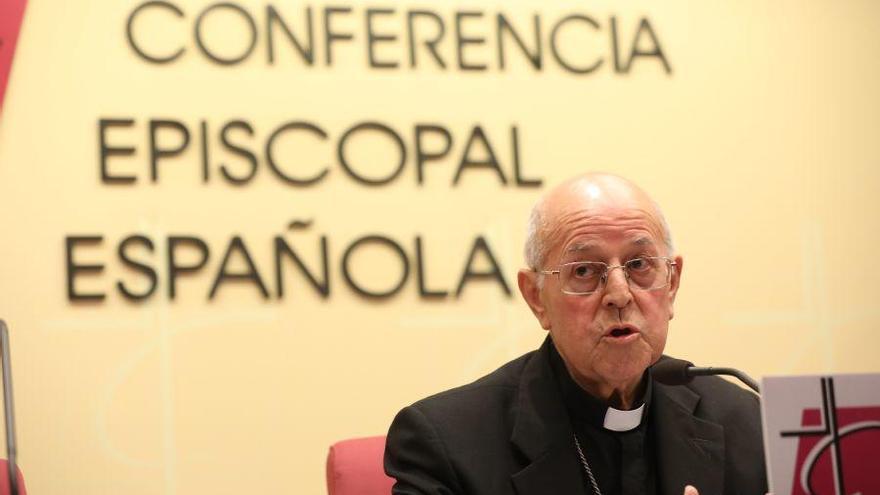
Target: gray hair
{"x":536,"y":250}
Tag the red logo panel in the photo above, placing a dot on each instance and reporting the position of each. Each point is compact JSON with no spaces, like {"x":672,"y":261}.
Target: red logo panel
{"x":11,"y":14}
{"x":838,"y":449}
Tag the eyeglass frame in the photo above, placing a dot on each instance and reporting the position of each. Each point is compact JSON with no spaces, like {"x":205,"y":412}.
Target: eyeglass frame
{"x":670,"y":263}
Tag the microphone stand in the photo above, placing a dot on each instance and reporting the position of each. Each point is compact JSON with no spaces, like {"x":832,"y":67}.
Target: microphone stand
{"x":707,"y":371}
{"x":8,"y":410}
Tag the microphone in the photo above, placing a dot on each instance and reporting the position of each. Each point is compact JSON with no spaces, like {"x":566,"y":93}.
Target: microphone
{"x":673,"y":371}
{"x":8,"y":414}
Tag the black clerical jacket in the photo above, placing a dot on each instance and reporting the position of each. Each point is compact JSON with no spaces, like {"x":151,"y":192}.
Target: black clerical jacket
{"x":509,"y":433}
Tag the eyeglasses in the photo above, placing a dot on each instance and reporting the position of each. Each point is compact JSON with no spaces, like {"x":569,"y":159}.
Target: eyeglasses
{"x":585,"y":277}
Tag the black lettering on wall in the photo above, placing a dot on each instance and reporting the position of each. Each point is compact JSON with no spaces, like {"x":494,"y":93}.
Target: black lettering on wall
{"x":424,"y":291}
{"x":129,"y":32}
{"x":472,"y":34}
{"x":517,"y":167}
{"x":655,"y":50}
{"x":74,"y":269}
{"x":237,"y":245}
{"x":282,"y":249}
{"x":470,"y":273}
{"x":252,"y":29}
{"x":478,"y":137}
{"x":157,"y":152}
{"x":205,"y":151}
{"x":533,"y":55}
{"x":105,"y":151}
{"x":374,"y":38}
{"x":270,"y":157}
{"x":305,"y":50}
{"x":615,"y":46}
{"x":330,"y":35}
{"x":176,"y":269}
{"x":462,"y":41}
{"x":554,"y":45}
{"x":368,"y":126}
{"x":423,"y":156}
{"x":429,"y":43}
{"x":238,"y":150}
{"x":357,"y":286}
{"x":138,"y":266}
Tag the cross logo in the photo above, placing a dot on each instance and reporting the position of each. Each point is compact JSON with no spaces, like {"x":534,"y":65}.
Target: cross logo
{"x":839,"y":449}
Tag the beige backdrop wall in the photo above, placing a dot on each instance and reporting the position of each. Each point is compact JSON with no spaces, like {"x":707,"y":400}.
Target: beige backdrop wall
{"x":761,"y":144}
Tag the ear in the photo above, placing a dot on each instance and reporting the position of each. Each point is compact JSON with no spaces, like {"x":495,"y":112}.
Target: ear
{"x":531,"y":292}
{"x":674,"y":283}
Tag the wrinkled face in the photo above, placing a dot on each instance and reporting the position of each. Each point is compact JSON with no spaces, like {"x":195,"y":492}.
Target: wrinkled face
{"x":607,"y":338}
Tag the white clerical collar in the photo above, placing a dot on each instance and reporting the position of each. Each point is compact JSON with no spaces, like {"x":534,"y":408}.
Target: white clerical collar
{"x":617,"y":420}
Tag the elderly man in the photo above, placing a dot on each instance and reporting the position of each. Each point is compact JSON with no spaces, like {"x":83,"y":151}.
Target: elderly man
{"x":581,"y":414}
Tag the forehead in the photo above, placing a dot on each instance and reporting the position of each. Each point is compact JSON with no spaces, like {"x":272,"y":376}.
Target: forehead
{"x":603,"y":232}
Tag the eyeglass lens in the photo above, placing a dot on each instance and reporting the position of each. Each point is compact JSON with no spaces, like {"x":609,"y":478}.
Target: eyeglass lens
{"x":588,"y":276}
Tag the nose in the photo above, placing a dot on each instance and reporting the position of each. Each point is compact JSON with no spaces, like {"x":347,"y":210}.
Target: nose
{"x":617,"y":293}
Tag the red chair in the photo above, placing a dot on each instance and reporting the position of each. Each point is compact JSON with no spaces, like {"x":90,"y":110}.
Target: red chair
{"x":355,"y":467}
{"x":4,"y":479}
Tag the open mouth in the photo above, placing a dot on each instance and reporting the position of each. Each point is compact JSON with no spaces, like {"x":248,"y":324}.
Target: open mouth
{"x":621,"y":332}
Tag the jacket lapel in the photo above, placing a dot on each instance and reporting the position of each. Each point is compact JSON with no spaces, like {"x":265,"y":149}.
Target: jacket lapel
{"x":690,"y":450}
{"x":543,"y":434}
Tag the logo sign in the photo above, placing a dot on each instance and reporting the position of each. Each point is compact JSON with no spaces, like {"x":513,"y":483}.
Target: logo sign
{"x":822,"y":434}
{"x":11,"y":13}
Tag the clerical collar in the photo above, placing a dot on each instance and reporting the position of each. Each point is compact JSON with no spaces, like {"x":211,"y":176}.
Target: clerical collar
{"x":618,"y":420}
{"x":585,"y":407}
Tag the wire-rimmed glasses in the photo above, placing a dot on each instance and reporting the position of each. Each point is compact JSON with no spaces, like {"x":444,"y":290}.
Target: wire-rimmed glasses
{"x":586,"y":277}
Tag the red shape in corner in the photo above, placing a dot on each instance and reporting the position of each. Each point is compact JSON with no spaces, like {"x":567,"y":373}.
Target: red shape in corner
{"x":11,"y":14}
{"x":860,"y":452}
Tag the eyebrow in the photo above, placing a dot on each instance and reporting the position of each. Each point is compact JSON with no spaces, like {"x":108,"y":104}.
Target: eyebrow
{"x":582,"y":246}
{"x":587,"y":246}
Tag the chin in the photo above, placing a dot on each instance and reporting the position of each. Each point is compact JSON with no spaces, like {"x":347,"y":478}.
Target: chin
{"x":623,"y":369}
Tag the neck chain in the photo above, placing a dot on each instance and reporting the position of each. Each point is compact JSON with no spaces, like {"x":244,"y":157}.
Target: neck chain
{"x":586,"y":466}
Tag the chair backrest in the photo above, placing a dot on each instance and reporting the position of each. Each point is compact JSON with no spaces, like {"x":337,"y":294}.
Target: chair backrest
{"x":4,"y":479}
{"x":355,"y":467}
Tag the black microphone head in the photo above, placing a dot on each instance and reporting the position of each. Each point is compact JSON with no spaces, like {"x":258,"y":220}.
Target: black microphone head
{"x":671,"y":371}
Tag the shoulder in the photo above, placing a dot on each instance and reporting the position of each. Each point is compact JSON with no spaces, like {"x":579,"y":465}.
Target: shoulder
{"x":456,"y":438}
{"x":713,"y":397}
{"x":736,"y":409}
{"x":723,"y":399}
{"x":494,"y":392}
{"x":734,"y":413}
{"x":718,"y":401}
